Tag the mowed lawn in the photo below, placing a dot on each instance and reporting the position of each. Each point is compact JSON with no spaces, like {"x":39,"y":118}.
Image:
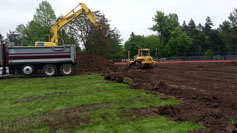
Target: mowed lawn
{"x":85,"y":103}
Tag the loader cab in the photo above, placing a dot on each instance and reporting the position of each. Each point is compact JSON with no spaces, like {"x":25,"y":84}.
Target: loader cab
{"x":143,"y":52}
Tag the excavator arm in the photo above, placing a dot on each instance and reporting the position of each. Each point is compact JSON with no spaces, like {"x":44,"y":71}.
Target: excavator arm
{"x":54,"y":37}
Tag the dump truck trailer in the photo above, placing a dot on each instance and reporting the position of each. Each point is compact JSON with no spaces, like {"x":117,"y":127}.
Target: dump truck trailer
{"x":27,"y":60}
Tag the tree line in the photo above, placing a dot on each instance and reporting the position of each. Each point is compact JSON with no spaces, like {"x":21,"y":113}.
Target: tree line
{"x":172,"y":38}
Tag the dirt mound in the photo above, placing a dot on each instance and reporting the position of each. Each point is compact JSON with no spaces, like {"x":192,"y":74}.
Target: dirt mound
{"x":117,"y":77}
{"x":88,"y":62}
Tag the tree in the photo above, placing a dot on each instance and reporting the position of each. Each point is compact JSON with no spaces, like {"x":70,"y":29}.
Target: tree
{"x":192,"y":26}
{"x":233,"y":18}
{"x":168,"y":29}
{"x":208,"y":25}
{"x":37,"y":29}
{"x":136,"y":42}
{"x":228,"y":32}
{"x":164,"y":24}
{"x":178,"y":44}
{"x":193,"y":32}
{"x":212,"y":40}
{"x":91,"y":39}
{"x":185,"y":27}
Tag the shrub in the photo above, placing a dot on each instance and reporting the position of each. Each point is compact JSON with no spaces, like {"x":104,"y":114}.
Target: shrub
{"x":218,"y":57}
{"x":208,"y":55}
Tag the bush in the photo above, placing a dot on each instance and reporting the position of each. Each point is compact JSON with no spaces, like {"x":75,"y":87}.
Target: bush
{"x":218,"y":57}
{"x":208,"y":55}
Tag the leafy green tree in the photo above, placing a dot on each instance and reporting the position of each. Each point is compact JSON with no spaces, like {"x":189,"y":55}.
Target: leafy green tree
{"x":38,"y":29}
{"x":136,"y":42}
{"x":178,"y":44}
{"x":151,"y":43}
{"x":168,"y":28}
{"x":164,"y":24}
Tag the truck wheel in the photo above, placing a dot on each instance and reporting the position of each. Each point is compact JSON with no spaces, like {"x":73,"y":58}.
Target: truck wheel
{"x":28,"y":70}
{"x":66,"y":69}
{"x":49,"y":70}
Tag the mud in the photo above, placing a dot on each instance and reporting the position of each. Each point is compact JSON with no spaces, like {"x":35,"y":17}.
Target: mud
{"x":208,"y":92}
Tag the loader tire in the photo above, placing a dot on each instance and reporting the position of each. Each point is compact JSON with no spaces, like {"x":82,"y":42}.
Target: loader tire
{"x":49,"y":70}
{"x":140,"y":65}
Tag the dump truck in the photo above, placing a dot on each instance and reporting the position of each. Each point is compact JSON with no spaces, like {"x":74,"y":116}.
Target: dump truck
{"x":27,"y":60}
{"x":142,"y":60}
{"x":46,"y":56}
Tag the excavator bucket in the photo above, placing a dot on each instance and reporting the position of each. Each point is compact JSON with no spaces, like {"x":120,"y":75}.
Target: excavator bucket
{"x":105,"y":31}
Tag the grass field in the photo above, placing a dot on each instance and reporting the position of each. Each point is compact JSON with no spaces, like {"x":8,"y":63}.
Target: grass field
{"x":86,"y":103}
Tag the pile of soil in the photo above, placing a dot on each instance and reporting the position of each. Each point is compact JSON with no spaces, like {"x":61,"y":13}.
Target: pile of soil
{"x":88,"y":62}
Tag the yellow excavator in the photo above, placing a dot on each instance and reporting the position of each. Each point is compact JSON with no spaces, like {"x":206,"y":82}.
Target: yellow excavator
{"x":54,"y":37}
{"x":142,"y":60}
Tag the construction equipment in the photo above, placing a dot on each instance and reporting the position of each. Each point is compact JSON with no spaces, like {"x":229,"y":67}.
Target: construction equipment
{"x":142,"y":60}
{"x":27,"y":60}
{"x":54,"y":37}
{"x":51,"y":59}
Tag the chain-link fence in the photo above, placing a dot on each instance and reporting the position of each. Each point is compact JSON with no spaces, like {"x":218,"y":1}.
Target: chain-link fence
{"x":187,"y":58}
{"x":197,"y":58}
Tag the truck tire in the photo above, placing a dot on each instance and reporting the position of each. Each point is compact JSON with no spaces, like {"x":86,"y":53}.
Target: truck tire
{"x":49,"y":70}
{"x":66,"y":69}
{"x":28,"y":70}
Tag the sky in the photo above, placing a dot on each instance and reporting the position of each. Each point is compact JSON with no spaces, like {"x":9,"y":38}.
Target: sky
{"x":126,"y":15}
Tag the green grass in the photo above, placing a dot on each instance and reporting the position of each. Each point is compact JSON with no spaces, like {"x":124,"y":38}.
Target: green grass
{"x":86,"y":103}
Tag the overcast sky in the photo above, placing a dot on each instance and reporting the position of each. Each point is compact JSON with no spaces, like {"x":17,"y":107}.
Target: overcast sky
{"x":127,"y":15}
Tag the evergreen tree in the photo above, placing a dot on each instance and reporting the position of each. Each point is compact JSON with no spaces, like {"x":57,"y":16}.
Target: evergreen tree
{"x":228,"y":32}
{"x":184,"y":27}
{"x":191,"y":26}
{"x":208,"y":25}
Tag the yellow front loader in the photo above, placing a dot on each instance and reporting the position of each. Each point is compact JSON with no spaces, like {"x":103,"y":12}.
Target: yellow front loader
{"x":142,"y":60}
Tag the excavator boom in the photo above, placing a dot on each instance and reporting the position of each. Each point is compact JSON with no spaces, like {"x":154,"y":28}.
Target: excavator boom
{"x":54,"y":37}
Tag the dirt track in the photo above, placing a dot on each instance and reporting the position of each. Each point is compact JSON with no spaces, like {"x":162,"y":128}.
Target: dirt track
{"x":208,"y":92}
